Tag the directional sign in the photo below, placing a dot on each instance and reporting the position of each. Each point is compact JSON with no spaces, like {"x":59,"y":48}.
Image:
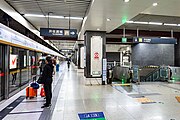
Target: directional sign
{"x":124,"y":40}
{"x":92,"y":116}
{"x":58,"y":32}
{"x":155,"y":40}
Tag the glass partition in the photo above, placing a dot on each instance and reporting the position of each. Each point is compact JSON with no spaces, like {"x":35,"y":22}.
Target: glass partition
{"x":14,"y":72}
{"x":23,"y":66}
{"x":1,"y":73}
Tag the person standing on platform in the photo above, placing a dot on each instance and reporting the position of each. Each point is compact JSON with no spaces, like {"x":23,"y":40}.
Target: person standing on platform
{"x":169,"y":73}
{"x":54,"y":65}
{"x":57,"y":65}
{"x":47,"y":75}
{"x":68,"y":63}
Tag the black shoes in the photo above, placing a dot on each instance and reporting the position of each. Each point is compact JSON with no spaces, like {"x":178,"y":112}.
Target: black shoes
{"x":46,"y":105}
{"x":133,"y":81}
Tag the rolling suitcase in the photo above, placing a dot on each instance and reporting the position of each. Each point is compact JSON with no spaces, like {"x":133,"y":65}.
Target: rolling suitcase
{"x":30,"y":92}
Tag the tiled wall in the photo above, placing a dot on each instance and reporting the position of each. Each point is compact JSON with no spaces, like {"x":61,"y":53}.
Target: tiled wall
{"x":177,"y":53}
{"x":153,"y":54}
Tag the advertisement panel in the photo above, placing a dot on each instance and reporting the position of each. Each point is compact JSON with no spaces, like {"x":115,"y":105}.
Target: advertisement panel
{"x":82,"y":57}
{"x":25,"y":61}
{"x":104,"y":74}
{"x":96,"y":56}
{"x":13,"y":61}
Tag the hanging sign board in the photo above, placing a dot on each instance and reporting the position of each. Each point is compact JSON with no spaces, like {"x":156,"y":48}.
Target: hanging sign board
{"x":58,"y":32}
{"x":155,"y":40}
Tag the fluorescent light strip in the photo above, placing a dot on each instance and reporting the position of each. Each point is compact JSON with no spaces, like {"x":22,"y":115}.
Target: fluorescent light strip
{"x":75,"y":18}
{"x":129,"y":21}
{"x":137,"y":22}
{"x":155,"y":23}
{"x":152,"y":23}
{"x":167,"y":24}
{"x":51,"y":16}
{"x":55,"y":16}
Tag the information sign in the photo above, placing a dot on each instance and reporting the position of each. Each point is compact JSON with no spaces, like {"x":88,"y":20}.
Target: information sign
{"x":104,"y":74}
{"x":58,"y":32}
{"x":124,"y":40}
{"x":92,"y":116}
{"x":155,"y":40}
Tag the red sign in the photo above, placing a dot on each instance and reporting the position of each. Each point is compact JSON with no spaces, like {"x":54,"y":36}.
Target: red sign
{"x":1,"y":74}
{"x":96,"y":55}
{"x":13,"y":61}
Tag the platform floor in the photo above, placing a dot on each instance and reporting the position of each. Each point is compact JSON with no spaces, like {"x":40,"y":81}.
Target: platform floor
{"x":73,"y":94}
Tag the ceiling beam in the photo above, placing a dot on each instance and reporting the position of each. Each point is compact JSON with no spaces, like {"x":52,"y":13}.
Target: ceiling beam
{"x":142,"y":33}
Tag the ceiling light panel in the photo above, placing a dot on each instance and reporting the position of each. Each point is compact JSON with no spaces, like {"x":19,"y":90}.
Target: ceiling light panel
{"x":126,"y":1}
{"x":155,"y":4}
{"x":108,"y":19}
{"x":53,"y":16}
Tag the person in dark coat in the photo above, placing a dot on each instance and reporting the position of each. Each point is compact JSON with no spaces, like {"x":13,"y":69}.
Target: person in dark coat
{"x":68,"y":63}
{"x":47,"y":75}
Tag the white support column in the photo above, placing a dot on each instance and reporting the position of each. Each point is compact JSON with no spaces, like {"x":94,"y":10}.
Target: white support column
{"x":124,"y":32}
{"x":137,"y":32}
{"x":172,"y":34}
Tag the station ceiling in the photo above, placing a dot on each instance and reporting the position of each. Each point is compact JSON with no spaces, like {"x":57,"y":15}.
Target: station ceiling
{"x":65,"y":8}
{"x":104,"y":15}
{"x":153,"y":23}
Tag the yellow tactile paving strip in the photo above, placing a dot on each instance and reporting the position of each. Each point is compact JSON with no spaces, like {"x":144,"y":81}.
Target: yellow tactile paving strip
{"x":121,"y":84}
{"x":177,"y":98}
{"x":145,"y":100}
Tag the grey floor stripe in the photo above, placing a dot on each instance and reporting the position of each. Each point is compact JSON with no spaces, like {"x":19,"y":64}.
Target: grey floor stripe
{"x":33,"y":101}
{"x":170,"y":87}
{"x":11,"y":106}
{"x":142,"y":95}
{"x":47,"y":112}
{"x":26,"y":112}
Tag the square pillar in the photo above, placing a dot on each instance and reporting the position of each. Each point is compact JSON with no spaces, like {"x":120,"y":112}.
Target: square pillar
{"x":95,"y":52}
{"x":80,"y":59}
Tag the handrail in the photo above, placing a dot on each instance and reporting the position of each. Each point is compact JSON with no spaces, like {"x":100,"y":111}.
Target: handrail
{"x":151,"y":73}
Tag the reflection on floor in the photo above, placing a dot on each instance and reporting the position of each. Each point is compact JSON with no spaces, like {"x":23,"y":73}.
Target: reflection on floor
{"x":83,"y":95}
